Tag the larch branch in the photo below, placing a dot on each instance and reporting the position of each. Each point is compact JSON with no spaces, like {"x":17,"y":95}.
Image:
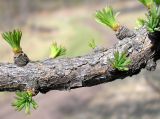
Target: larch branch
{"x":82,"y":71}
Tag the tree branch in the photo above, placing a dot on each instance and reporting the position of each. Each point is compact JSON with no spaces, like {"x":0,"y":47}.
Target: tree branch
{"x":84,"y":71}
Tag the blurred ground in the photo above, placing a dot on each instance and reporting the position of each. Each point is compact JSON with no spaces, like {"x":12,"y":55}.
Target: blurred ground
{"x":73,"y":26}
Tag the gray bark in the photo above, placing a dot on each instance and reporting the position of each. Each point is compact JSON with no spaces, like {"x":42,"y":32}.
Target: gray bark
{"x":82,"y":71}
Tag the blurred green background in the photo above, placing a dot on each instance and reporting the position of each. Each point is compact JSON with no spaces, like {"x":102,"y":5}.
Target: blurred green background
{"x":71,"y":23}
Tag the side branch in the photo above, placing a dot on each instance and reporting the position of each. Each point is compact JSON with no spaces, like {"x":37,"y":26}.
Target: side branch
{"x":85,"y":71}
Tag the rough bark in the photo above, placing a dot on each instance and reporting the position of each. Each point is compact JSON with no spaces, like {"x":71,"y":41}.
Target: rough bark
{"x":82,"y":71}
